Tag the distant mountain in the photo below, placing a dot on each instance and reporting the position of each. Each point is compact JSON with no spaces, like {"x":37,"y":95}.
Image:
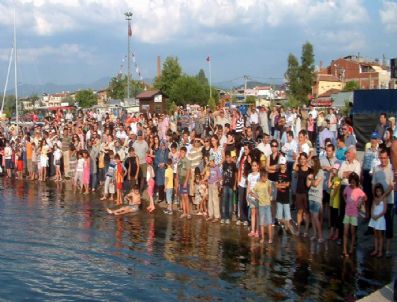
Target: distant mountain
{"x":250,"y":85}
{"x":26,"y":90}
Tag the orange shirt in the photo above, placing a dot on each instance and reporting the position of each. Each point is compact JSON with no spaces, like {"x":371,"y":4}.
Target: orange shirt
{"x":29,"y":150}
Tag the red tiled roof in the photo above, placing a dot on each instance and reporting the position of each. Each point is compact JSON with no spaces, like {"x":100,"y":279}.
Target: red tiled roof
{"x":329,"y":92}
{"x":327,"y":78}
{"x":147,"y":94}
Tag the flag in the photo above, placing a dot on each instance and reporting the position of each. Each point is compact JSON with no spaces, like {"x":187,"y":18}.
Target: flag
{"x":129,"y":30}
{"x":208,"y":58}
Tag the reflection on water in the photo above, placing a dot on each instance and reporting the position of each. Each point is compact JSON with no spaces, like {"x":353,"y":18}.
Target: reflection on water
{"x":55,"y":244}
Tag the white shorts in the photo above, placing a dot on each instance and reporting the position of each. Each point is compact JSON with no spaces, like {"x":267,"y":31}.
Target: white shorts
{"x":43,"y":161}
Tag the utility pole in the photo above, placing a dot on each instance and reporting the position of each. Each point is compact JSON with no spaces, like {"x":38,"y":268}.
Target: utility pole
{"x":246,"y":78}
{"x":128,"y":16}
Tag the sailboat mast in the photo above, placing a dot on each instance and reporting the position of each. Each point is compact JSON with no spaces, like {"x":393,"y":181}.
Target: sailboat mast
{"x":16,"y":71}
{"x":8,"y":76}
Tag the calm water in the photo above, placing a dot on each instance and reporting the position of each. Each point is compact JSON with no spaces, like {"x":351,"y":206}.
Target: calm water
{"x":57,"y":245}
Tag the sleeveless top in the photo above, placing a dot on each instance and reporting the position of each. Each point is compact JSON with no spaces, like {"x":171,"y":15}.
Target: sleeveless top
{"x":301,"y":181}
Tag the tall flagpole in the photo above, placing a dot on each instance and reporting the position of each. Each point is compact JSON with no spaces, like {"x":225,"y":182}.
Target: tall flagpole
{"x":209,"y":67}
{"x":128,"y":16}
{"x":8,"y":76}
{"x":16,"y":71}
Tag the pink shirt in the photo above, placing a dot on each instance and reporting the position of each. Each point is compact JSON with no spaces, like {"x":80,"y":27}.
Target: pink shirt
{"x":352,"y":198}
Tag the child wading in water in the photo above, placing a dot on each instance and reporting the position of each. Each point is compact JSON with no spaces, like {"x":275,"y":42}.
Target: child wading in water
{"x":253,"y":178}
{"x":378,"y":222}
{"x":121,"y":172}
{"x":263,"y":192}
{"x":354,"y":197}
{"x":334,"y":183}
{"x":133,"y":199}
{"x":169,"y":186}
{"x":150,"y":181}
{"x":283,"y":184}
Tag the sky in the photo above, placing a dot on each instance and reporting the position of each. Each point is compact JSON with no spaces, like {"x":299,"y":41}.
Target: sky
{"x":81,"y":41}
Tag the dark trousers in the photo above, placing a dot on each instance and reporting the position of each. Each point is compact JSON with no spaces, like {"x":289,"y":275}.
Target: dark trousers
{"x":160,"y":190}
{"x":227,"y":203}
{"x":242,"y":203}
{"x":342,"y":206}
{"x":367,"y":186}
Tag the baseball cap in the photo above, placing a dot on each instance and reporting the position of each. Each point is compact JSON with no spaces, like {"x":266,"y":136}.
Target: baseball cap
{"x":374,"y":135}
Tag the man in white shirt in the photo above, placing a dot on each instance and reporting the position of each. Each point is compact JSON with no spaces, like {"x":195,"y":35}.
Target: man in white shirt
{"x":121,"y":134}
{"x":383,"y":174}
{"x":264,"y":145}
{"x":313,"y":112}
{"x":303,"y":146}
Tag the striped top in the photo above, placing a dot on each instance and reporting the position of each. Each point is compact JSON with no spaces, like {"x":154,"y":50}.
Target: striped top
{"x":240,"y":125}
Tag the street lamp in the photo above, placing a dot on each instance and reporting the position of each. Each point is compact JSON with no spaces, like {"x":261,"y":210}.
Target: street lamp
{"x":128,"y":17}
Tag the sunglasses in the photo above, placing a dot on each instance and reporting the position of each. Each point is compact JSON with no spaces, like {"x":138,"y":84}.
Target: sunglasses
{"x":274,"y":146}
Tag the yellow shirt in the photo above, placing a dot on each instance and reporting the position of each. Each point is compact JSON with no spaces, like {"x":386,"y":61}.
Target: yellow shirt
{"x":169,"y":178}
{"x":101,"y":161}
{"x":335,"y":192}
{"x":262,"y":190}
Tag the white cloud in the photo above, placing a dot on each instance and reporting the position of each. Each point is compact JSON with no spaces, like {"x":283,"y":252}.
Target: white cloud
{"x":157,"y":21}
{"x":346,"y":40}
{"x":388,"y":15}
{"x":64,"y":53}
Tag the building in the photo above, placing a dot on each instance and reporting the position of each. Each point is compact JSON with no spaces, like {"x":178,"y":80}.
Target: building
{"x":152,"y":101}
{"x":102,"y":96}
{"x":265,"y":92}
{"x":324,"y":83}
{"x":55,"y":99}
{"x":368,"y":74}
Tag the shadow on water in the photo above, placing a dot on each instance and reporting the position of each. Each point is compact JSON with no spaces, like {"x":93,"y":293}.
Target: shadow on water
{"x":55,"y":244}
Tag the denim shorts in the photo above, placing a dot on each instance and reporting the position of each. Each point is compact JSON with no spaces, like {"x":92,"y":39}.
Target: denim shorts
{"x":168,"y":195}
{"x":183,"y":190}
{"x":265,"y":215}
{"x":283,"y":211}
{"x":314,"y":207}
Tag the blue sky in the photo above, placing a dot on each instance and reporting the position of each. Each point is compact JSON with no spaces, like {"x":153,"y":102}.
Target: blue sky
{"x":80,"y":41}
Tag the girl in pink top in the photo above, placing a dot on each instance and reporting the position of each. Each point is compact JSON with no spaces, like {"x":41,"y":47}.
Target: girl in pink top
{"x":354,"y":198}
{"x":86,"y":172}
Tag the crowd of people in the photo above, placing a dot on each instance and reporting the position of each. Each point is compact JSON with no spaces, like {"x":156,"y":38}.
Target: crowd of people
{"x":294,"y":168}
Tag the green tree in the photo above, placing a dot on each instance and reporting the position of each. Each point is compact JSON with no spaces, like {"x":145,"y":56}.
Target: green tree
{"x":9,"y":105}
{"x":292,"y":75}
{"x":212,"y":103}
{"x":68,"y":99}
{"x":86,"y":98}
{"x":118,"y":87}
{"x":189,"y":90}
{"x":202,"y":78}
{"x":306,"y":72}
{"x":171,"y":72}
{"x":351,"y":86}
{"x":250,"y":99}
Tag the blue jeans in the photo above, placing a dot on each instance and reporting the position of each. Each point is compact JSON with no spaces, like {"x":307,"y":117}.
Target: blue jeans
{"x":227,"y":203}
